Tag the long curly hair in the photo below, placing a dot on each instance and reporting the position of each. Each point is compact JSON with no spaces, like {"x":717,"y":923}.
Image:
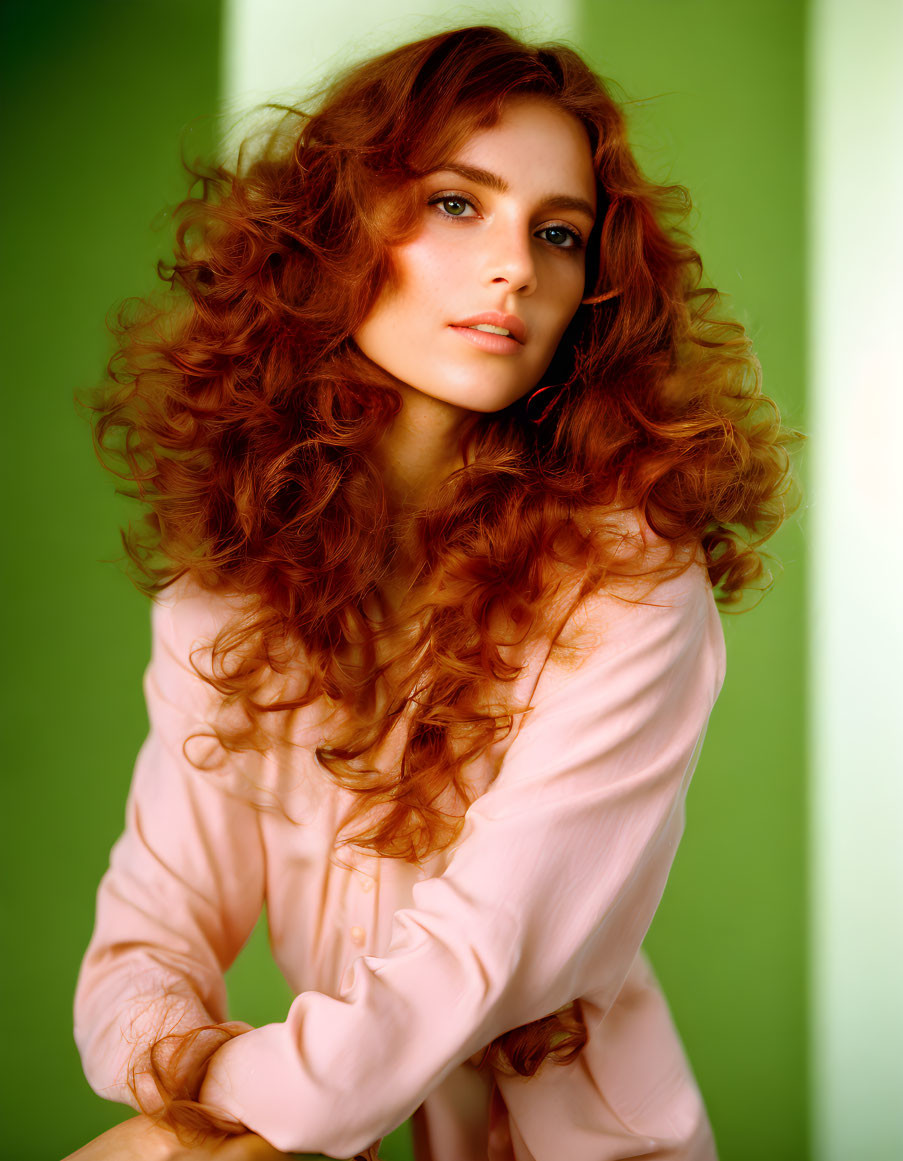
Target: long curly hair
{"x":246,"y":420}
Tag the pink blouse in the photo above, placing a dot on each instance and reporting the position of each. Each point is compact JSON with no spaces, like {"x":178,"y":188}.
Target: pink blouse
{"x":403,"y":973}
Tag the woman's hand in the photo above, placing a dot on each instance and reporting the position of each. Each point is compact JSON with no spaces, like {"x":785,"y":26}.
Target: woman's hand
{"x":243,"y":1147}
{"x":137,"y":1139}
{"x":141,"y":1139}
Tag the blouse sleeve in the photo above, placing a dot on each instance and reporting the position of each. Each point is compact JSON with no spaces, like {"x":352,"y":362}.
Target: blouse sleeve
{"x":547,"y":896}
{"x":185,"y":882}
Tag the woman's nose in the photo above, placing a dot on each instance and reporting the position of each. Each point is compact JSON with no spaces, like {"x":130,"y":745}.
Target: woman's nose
{"x":509,"y":259}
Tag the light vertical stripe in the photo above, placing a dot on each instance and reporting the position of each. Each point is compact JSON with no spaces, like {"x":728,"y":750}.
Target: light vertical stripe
{"x":856,"y":502}
{"x":286,"y":47}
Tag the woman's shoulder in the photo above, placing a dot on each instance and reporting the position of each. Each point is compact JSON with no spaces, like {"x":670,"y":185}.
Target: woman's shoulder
{"x":205,"y":641}
{"x":187,"y":614}
{"x":654,"y":588}
{"x":635,"y":565}
{"x":628,"y":533}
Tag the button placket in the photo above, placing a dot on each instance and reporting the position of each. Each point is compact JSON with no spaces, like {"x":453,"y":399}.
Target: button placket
{"x":365,"y":881}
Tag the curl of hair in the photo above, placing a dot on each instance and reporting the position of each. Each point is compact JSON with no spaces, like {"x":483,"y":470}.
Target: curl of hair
{"x":166,"y":1077}
{"x":248,"y":422}
{"x":165,"y":1081}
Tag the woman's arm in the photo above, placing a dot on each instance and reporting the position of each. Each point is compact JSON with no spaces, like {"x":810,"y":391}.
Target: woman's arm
{"x":547,"y":897}
{"x":183,"y":891}
{"x":142,"y":1139}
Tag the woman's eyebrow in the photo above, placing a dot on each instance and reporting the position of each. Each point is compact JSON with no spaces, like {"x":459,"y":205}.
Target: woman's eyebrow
{"x":495,"y":181}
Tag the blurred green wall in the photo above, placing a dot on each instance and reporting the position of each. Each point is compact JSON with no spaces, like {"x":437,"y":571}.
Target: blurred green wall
{"x":719,"y":92}
{"x":98,"y":96}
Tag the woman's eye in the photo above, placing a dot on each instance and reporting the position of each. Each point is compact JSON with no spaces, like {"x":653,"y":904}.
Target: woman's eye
{"x":453,"y":205}
{"x":562,"y":237}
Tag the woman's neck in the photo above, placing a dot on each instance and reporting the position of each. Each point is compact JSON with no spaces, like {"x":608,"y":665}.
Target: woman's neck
{"x":420,"y":449}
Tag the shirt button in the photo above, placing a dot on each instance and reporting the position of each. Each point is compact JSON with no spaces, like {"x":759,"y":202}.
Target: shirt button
{"x":366,"y":883}
{"x":357,"y":935}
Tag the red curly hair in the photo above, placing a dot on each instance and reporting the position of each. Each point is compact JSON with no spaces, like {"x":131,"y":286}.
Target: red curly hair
{"x":247,"y":420}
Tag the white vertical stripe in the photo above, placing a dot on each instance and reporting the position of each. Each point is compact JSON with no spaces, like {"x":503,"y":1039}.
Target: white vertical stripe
{"x":285,"y":47}
{"x":856,"y":504}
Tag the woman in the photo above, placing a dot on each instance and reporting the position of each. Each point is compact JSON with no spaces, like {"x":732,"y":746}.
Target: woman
{"x":446,"y":464}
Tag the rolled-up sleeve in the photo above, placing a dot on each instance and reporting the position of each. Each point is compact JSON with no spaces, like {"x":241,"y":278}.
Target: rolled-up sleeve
{"x":186,"y":878}
{"x":547,"y":896}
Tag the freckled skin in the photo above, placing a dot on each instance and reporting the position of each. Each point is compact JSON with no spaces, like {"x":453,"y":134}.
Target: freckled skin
{"x":504,"y":251}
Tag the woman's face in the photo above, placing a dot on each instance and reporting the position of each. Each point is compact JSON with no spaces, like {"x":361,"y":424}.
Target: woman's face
{"x":501,"y":244}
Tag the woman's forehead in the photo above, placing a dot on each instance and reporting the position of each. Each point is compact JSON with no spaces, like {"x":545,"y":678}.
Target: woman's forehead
{"x":446,"y":138}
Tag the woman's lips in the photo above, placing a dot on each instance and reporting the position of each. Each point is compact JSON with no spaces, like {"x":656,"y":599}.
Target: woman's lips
{"x":516,"y":327}
{"x":487,"y":341}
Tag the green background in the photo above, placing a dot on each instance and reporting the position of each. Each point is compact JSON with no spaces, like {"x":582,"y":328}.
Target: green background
{"x":98,"y":97}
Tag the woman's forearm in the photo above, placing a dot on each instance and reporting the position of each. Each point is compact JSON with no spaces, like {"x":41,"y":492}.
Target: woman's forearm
{"x":141,"y":1138}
